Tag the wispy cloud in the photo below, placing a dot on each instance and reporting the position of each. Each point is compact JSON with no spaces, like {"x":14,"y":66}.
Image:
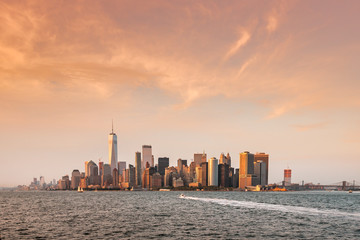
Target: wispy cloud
{"x":272,"y":23}
{"x":307,"y":127}
{"x":244,"y":38}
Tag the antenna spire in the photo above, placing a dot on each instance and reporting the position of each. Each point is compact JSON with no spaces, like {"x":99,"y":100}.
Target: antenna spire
{"x":112,"y":126}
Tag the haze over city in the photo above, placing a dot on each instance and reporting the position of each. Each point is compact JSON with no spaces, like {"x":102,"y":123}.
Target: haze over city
{"x":279,"y":77}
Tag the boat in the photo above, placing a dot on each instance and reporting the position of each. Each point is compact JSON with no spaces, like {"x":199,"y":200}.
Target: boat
{"x":80,"y":189}
{"x":350,"y":191}
{"x":182,"y":196}
{"x":164,"y":190}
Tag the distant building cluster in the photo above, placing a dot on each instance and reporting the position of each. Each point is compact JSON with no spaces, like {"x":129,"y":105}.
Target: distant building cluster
{"x":199,"y":173}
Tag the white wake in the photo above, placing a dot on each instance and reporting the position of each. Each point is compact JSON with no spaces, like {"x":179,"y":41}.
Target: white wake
{"x":276,"y":207}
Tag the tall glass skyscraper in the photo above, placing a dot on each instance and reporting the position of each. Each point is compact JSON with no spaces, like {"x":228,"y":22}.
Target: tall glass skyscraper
{"x":146,"y":156}
{"x":113,"y":149}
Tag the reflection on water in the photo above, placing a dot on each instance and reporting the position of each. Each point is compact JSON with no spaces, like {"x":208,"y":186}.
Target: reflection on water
{"x":154,"y":215}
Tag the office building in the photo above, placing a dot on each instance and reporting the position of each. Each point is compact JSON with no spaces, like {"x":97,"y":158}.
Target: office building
{"x":204,"y":173}
{"x":199,"y":158}
{"x":260,"y":172}
{"x":170,"y":173}
{"x":198,"y":174}
{"x":121,"y":167}
{"x":287,"y":177}
{"x":138,"y":168}
{"x":115,"y":178}
{"x":106,"y":178}
{"x":113,"y":155}
{"x":223,"y":175}
{"x":246,"y":177}
{"x":213,"y":172}
{"x":100,"y":167}
{"x":75,"y":179}
{"x":265,"y":158}
{"x":42,"y":181}
{"x":163,"y":162}
{"x":147,"y":156}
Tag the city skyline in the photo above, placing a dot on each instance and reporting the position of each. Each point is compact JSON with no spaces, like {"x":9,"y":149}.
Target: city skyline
{"x":277,"y":77}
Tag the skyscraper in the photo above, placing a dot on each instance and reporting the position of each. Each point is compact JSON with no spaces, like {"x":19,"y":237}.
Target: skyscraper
{"x":265,"y":158}
{"x":223,"y":175}
{"x":213,"y":172}
{"x":247,"y":177}
{"x":146,"y":156}
{"x":260,"y":172}
{"x":287,"y":177}
{"x":197,"y":159}
{"x":204,"y":173}
{"x":113,"y":156}
{"x":163,"y":162}
{"x":138,"y":168}
{"x":75,"y":179}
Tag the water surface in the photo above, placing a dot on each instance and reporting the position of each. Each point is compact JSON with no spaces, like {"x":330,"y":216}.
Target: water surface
{"x":200,"y":215}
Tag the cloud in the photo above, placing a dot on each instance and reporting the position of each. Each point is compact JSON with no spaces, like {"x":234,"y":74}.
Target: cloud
{"x":244,"y":38}
{"x":272,"y":24}
{"x":307,"y":127}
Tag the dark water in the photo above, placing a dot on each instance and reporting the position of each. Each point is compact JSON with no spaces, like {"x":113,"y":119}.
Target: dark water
{"x":201,"y":215}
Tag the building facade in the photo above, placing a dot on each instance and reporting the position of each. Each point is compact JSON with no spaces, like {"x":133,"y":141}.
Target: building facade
{"x":213,"y":172}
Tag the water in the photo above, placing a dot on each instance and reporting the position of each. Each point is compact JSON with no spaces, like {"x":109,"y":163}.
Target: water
{"x":200,"y":215}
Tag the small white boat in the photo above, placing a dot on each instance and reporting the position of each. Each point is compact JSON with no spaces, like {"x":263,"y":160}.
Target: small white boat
{"x":80,"y":189}
{"x":182,"y":196}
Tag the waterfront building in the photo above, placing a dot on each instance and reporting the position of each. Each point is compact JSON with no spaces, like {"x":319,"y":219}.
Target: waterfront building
{"x":198,"y":175}
{"x":265,"y":158}
{"x":146,"y":156}
{"x":204,"y":173}
{"x":42,"y":182}
{"x":92,"y":177}
{"x":213,"y":172}
{"x":106,"y":178}
{"x":170,"y":173}
{"x":198,"y":159}
{"x":260,"y":172}
{"x":228,"y":159}
{"x":222,"y":158}
{"x":185,"y":175}
{"x":121,"y":167}
{"x":132,"y":175}
{"x":192,"y":170}
{"x":287,"y":177}
{"x":203,"y":157}
{"x":163,"y":162}
{"x":223,"y":175}
{"x":247,"y":177}
{"x":65,"y":183}
{"x":177,"y":182}
{"x":100,"y":167}
{"x":138,"y":168}
{"x":231,"y":176}
{"x":236,"y":179}
{"x":146,"y":176}
{"x":75,"y":179}
{"x":86,"y":169}
{"x":83,"y":183}
{"x":155,"y":181}
{"x":115,"y":177}
{"x":113,"y":154}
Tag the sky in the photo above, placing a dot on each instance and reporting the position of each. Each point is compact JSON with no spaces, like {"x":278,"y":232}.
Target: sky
{"x":280,"y":77}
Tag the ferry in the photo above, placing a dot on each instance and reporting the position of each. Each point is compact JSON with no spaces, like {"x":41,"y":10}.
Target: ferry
{"x":182,"y":196}
{"x":350,"y":191}
{"x":80,"y":189}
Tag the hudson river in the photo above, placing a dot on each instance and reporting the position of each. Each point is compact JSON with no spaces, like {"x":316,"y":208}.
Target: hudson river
{"x":163,"y":215}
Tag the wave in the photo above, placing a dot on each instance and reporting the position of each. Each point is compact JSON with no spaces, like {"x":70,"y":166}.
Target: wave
{"x":276,"y":207}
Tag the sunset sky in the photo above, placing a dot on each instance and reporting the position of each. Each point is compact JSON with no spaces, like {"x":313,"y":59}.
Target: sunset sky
{"x":281,"y":77}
